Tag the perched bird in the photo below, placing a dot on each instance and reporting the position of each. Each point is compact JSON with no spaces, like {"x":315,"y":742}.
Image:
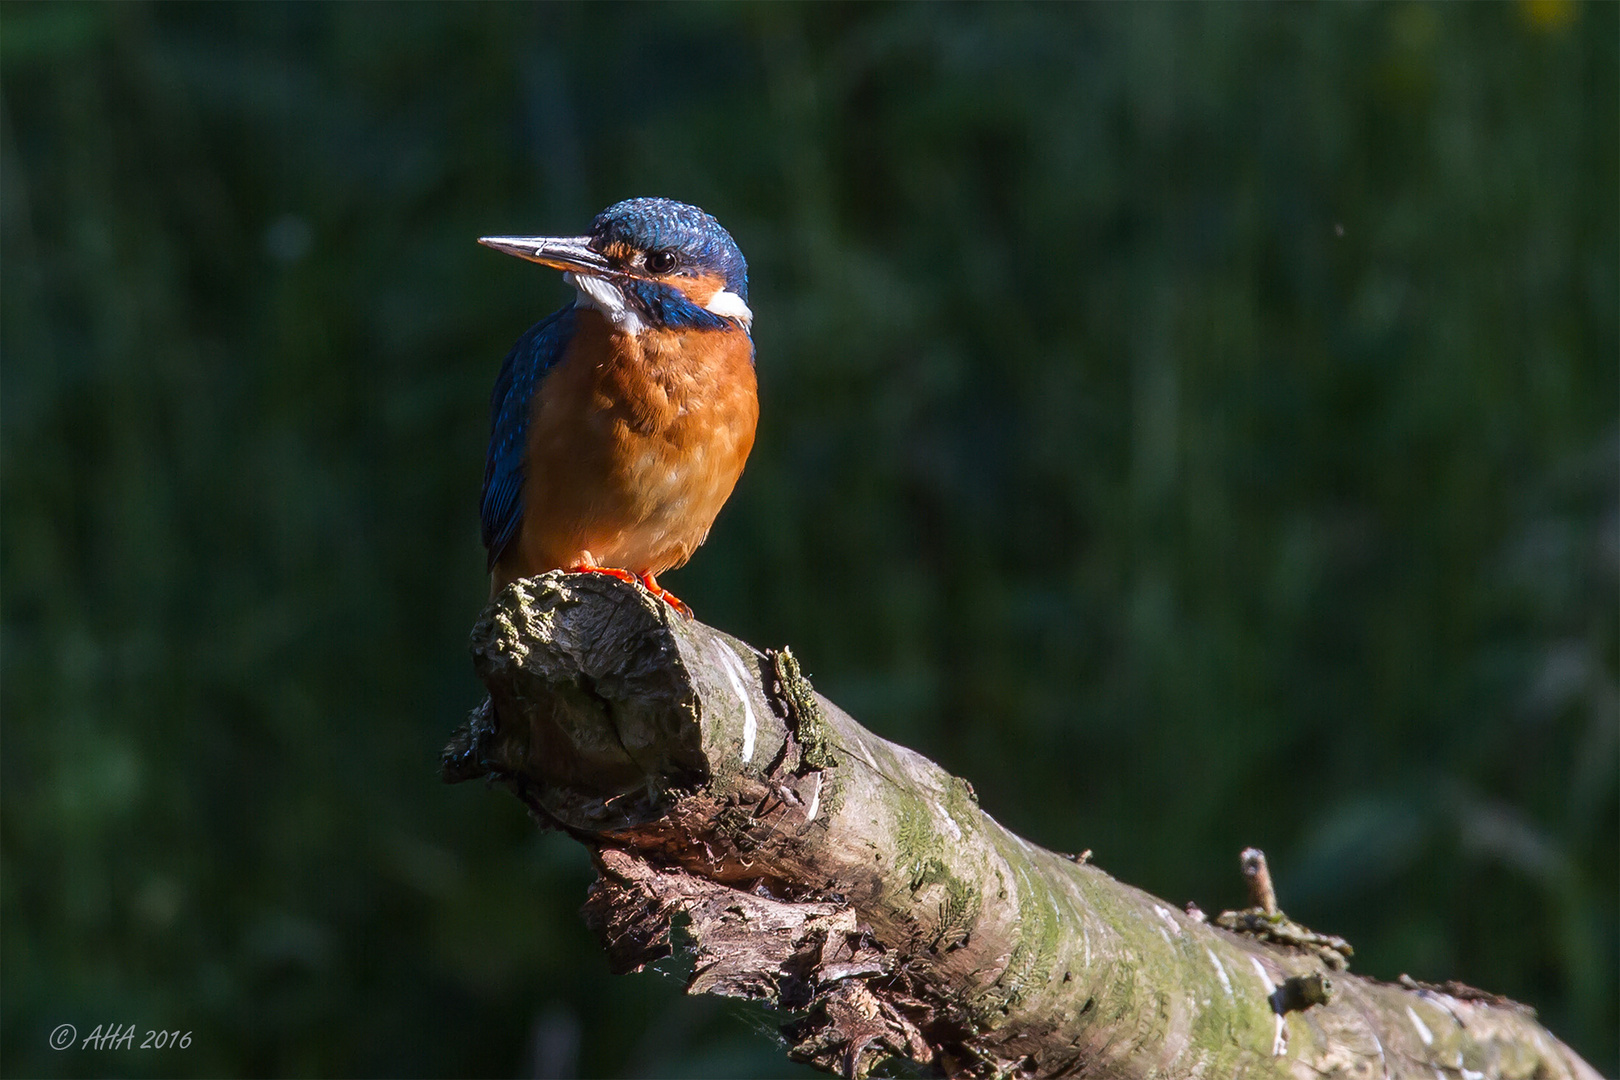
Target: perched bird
{"x":620,"y":424}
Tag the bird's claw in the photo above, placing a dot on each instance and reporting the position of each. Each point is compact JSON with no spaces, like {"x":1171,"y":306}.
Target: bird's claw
{"x":646,"y":581}
{"x":666,"y":596}
{"x":610,"y":571}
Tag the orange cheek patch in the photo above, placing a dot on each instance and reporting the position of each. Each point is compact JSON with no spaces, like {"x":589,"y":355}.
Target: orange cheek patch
{"x":700,"y":290}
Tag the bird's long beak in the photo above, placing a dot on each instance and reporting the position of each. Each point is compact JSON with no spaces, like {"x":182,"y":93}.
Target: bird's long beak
{"x":557,"y":252}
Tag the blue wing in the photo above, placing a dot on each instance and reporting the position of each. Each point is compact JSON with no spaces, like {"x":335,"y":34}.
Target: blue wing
{"x":535,"y":353}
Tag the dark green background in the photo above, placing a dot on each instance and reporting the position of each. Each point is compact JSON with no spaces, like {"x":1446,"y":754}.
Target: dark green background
{"x":1197,"y":425}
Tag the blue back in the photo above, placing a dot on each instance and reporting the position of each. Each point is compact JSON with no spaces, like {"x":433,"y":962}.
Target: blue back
{"x":535,"y":353}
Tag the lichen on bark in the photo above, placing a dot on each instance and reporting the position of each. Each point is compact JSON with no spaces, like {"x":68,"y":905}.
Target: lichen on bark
{"x":800,"y":860}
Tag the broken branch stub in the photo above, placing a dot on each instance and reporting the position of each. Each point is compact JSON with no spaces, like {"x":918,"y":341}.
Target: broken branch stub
{"x":792,"y":857}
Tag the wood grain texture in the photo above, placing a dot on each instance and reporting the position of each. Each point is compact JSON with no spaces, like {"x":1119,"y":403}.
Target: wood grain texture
{"x":863,"y":891}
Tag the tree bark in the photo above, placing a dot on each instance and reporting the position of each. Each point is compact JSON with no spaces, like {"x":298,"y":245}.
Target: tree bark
{"x":747,"y":827}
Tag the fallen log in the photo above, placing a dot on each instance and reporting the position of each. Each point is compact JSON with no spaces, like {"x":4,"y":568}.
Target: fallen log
{"x":743,"y":823}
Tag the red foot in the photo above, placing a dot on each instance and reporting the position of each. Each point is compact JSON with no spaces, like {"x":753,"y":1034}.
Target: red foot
{"x":665,"y":595}
{"x":647,"y":581}
{"x":610,"y":571}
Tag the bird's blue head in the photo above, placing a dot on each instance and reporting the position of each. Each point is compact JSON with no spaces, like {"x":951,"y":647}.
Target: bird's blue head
{"x":670,"y":238}
{"x":648,"y":262}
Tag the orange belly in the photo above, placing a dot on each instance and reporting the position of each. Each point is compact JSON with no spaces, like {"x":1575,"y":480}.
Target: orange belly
{"x":635,"y":443}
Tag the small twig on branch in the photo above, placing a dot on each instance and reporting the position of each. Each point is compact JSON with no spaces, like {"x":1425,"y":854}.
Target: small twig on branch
{"x":799,"y":860}
{"x":1258,"y":875}
{"x":1266,"y":921}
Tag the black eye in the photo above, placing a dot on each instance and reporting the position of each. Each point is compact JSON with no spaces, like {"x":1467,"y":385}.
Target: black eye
{"x":661,"y":262}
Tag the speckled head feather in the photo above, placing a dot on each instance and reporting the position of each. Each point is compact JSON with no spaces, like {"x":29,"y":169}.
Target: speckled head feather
{"x":648,"y":224}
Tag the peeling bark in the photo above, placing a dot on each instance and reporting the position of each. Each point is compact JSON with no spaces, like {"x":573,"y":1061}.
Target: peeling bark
{"x":747,"y":825}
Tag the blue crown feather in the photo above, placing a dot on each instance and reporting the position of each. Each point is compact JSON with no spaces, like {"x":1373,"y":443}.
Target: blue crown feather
{"x":702,"y":242}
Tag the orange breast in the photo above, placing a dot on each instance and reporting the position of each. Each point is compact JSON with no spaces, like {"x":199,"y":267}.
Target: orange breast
{"x":634,"y":445}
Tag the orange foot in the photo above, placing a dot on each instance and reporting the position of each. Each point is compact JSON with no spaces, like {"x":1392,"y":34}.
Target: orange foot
{"x":589,"y":565}
{"x":665,"y":595}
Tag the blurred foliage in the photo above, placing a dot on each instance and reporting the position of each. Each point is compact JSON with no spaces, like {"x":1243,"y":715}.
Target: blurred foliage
{"x":1194,"y":423}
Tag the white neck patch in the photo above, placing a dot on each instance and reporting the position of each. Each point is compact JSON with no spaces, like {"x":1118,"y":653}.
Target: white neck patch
{"x":604,"y":296}
{"x":731,"y":306}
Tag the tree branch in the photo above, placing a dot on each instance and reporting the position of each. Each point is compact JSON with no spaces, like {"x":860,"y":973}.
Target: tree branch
{"x":747,"y":825}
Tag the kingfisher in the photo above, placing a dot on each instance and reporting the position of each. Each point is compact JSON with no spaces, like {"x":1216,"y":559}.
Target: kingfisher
{"x":620,"y":423}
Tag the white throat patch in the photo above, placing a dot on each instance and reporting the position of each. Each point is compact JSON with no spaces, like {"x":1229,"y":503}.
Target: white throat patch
{"x":604,"y":296}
